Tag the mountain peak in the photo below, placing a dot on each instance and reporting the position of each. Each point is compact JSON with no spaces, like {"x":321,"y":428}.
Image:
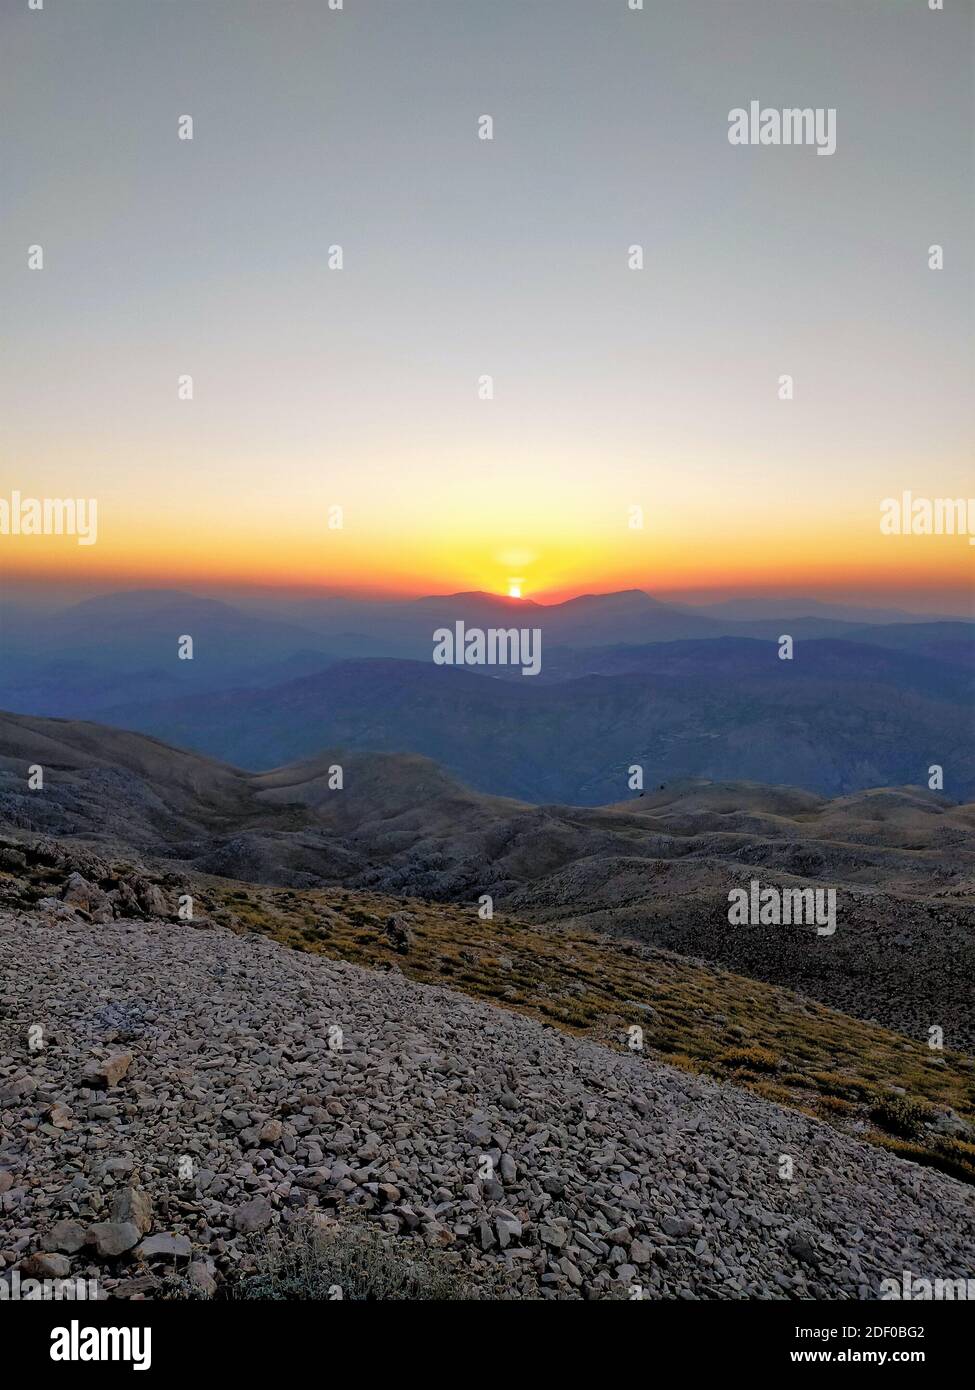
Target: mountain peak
{"x":617,"y":600}
{"x":479,"y":596}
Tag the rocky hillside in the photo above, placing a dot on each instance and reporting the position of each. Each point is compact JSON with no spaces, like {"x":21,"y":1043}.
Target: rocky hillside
{"x":869,"y":1081}
{"x":657,"y":868}
{"x":196,"y":1088}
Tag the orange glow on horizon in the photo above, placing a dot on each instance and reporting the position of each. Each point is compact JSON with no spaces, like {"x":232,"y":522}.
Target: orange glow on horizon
{"x":559,"y":545}
{"x":863,"y":565}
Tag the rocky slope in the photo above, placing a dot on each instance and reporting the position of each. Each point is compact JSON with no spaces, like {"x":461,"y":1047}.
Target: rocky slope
{"x":192,"y":1092}
{"x":697,"y":1016}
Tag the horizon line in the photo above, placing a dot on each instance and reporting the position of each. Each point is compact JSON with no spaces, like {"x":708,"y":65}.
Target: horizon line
{"x":951,"y":606}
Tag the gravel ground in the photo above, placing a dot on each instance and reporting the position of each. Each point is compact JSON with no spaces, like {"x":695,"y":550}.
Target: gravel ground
{"x":192,"y":1092}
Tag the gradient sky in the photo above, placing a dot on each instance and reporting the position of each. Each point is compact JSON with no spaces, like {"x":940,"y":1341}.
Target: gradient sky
{"x":613,"y":388}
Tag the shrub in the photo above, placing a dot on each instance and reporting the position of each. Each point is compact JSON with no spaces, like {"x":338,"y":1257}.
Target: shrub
{"x":310,"y":1262}
{"x":900,"y":1115}
{"x":749,"y":1058}
{"x":836,"y":1105}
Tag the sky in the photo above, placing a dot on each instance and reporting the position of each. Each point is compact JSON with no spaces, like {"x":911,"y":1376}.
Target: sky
{"x":613,"y":388}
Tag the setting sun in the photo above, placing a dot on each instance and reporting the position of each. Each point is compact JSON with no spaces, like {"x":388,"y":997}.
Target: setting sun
{"x":514,"y":588}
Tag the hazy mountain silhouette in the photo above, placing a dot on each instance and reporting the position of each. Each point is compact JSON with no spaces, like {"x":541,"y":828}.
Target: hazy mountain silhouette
{"x":865,"y":704}
{"x":841,"y":716}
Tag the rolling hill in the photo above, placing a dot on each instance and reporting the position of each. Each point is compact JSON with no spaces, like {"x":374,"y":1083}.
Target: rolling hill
{"x":656,"y":869}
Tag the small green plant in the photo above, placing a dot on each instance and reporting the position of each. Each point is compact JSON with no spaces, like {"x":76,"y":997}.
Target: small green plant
{"x":351,"y":1260}
{"x":900,"y":1115}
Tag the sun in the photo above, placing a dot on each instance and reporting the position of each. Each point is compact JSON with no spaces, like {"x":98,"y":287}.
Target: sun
{"x":514,"y":588}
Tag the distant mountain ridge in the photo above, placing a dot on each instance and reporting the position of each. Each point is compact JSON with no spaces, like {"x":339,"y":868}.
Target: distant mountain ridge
{"x":841,"y":716}
{"x":624,"y":680}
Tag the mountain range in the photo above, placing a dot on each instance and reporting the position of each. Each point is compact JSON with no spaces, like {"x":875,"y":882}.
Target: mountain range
{"x":625,"y":682}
